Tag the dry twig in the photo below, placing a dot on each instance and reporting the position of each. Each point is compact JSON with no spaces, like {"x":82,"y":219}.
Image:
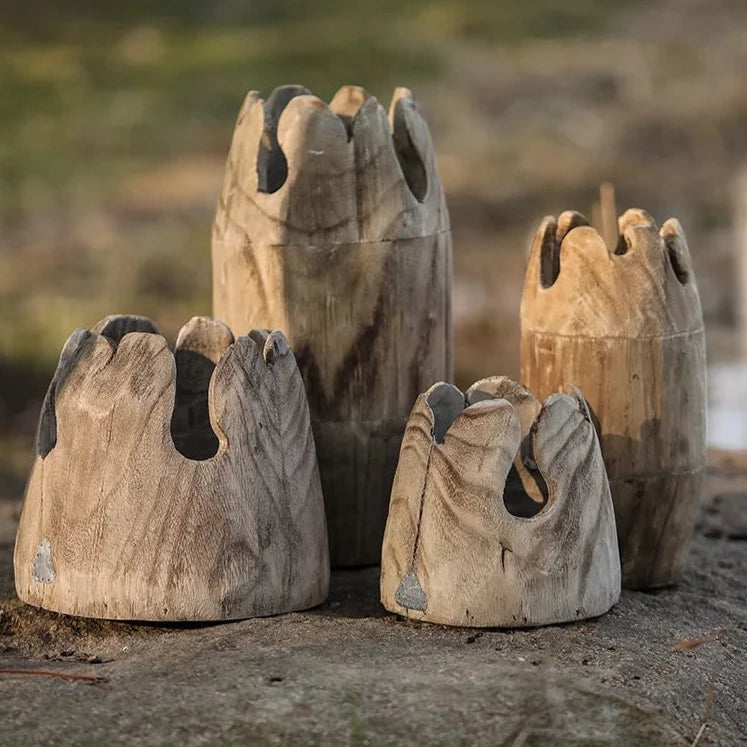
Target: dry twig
{"x":695,"y":642}
{"x":706,"y":710}
{"x":93,"y":679}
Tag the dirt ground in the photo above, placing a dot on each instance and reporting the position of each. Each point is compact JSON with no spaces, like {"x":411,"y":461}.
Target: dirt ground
{"x":651,"y":671}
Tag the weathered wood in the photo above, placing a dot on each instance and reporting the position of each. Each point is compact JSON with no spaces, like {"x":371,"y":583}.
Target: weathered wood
{"x":459,"y":550}
{"x":118,"y":524}
{"x":627,"y":329}
{"x":351,"y":257}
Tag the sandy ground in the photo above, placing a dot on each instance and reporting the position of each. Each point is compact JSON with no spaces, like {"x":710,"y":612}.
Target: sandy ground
{"x":349,"y":673}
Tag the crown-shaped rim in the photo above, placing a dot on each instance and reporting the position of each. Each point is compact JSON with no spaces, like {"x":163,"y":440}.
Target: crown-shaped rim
{"x":89,"y":352}
{"x":645,"y":287}
{"x":360,"y":174}
{"x":506,"y":416}
{"x":120,"y":522}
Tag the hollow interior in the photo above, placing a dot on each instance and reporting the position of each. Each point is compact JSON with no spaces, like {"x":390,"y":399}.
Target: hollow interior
{"x":526,"y":492}
{"x":549,"y":258}
{"x":552,"y":242}
{"x":446,"y":402}
{"x":191,"y":431}
{"x":272,"y":166}
{"x":680,"y":270}
{"x":413,"y":168}
{"x":622,"y":245}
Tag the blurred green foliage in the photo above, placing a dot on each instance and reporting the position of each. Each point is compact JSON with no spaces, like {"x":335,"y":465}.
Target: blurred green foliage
{"x":94,"y":93}
{"x":98,"y":90}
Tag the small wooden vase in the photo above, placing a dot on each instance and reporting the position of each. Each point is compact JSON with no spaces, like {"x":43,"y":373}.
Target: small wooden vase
{"x":500,"y":513}
{"x":332,"y":226}
{"x":118,"y":524}
{"x":626,"y":327}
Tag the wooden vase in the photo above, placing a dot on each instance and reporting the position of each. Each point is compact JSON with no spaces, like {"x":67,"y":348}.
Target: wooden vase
{"x":500,"y":513}
{"x":332,"y":226}
{"x":118,"y":523}
{"x":625,"y":326}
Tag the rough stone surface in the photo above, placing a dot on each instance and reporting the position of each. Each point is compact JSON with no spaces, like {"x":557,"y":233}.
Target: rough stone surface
{"x":349,"y":673}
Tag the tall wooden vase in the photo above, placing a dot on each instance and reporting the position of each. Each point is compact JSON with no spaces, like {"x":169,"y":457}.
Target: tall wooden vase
{"x":332,"y":227}
{"x":625,"y":326}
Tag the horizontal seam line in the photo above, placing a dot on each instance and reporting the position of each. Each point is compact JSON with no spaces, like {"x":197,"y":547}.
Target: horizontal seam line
{"x":326,"y":245}
{"x":670,"y":336}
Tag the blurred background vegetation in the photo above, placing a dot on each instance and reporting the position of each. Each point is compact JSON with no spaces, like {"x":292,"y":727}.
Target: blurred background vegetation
{"x":115,"y":120}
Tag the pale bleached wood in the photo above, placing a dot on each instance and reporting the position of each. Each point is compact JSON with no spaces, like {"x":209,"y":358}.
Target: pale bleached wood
{"x":627,"y":329}
{"x":351,"y":258}
{"x":116,"y":523}
{"x":452,"y":551}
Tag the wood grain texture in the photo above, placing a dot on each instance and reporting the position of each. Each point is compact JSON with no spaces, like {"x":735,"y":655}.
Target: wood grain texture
{"x":454,"y":554}
{"x":350,"y":255}
{"x":626,"y":327}
{"x":118,"y":524}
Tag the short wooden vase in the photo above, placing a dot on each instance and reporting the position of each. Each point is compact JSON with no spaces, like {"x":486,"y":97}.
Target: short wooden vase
{"x":173,"y":487}
{"x":624,"y":324}
{"x":332,"y":226}
{"x":500,"y":514}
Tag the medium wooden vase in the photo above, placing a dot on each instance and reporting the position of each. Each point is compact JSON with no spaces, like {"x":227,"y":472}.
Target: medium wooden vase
{"x":625,"y":325}
{"x":332,"y":226}
{"x":173,"y":487}
{"x":500,"y":514}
